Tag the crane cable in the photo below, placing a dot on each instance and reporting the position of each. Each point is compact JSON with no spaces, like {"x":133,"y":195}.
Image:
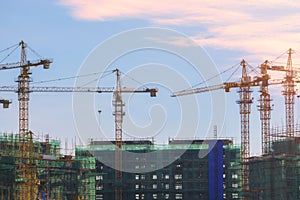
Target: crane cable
{"x":67,"y":78}
{"x":215,"y":76}
{"x":133,"y":79}
{"x":280,"y":56}
{"x":97,"y":79}
{"x":10,"y":47}
{"x":70,"y":77}
{"x":9,"y":54}
{"x":253,"y":69}
{"x":34,"y":52}
{"x":231,"y":75}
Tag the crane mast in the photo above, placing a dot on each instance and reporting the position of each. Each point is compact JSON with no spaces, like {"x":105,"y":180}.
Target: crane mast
{"x":23,"y":93}
{"x":289,"y":96}
{"x":118,"y":113}
{"x":265,"y":109}
{"x":245,"y":107}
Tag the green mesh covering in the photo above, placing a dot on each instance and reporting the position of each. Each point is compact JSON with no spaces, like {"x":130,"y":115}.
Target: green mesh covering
{"x":58,"y":176}
{"x":277,"y":176}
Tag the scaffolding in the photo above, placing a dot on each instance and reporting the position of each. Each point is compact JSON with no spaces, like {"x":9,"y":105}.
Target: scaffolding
{"x":232,"y":172}
{"x":277,"y":175}
{"x":39,"y":171}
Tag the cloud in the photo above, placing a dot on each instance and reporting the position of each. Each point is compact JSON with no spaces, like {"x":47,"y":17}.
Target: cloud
{"x":172,"y":40}
{"x":114,"y":9}
{"x":260,"y":28}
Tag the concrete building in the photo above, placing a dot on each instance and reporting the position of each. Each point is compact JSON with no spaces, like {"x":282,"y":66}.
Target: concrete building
{"x":181,"y":169}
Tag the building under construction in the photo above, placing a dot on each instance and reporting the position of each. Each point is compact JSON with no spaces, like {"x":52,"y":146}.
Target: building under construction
{"x":41,"y":172}
{"x":181,"y":169}
{"x":277,"y":175}
{"x":201,"y":169}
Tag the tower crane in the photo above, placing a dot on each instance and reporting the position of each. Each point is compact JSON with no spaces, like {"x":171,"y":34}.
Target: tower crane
{"x":265,"y":108}
{"x":118,"y":113}
{"x":23,"y":83}
{"x":289,"y":95}
{"x":265,"y":101}
{"x":245,"y":102}
{"x":288,"y":89}
{"x":23,"y":98}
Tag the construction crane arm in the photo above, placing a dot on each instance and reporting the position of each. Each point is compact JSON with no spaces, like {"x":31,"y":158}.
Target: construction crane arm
{"x":281,"y":68}
{"x":226,"y":86}
{"x":275,"y":82}
{"x":80,"y":89}
{"x":198,"y":90}
{"x":71,"y":89}
{"x":44,"y":62}
{"x":152,"y":91}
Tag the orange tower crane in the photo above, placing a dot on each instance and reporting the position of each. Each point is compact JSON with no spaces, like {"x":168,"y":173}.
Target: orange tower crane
{"x":289,"y":95}
{"x":245,"y":102}
{"x":265,"y":100}
{"x":288,"y":92}
{"x":265,"y":108}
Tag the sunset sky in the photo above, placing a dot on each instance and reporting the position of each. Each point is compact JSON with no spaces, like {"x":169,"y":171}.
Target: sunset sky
{"x":68,"y":31}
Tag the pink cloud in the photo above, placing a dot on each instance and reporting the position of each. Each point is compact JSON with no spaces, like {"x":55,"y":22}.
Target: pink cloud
{"x":261,"y":28}
{"x":113,"y":9}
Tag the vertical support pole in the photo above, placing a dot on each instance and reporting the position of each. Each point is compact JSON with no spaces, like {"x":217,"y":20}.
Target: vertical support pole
{"x":118,"y":105}
{"x":23,"y":187}
{"x":289,"y":96}
{"x":23,"y":92}
{"x":245,"y":105}
{"x":265,"y":110}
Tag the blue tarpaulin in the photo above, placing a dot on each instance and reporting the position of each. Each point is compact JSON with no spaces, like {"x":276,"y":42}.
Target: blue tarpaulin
{"x":215,"y":170}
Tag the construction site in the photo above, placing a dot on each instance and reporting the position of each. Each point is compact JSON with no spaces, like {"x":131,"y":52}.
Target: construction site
{"x":32,"y":169}
{"x":213,"y":168}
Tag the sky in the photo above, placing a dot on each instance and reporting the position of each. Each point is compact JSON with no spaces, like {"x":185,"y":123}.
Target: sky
{"x":69,"y":31}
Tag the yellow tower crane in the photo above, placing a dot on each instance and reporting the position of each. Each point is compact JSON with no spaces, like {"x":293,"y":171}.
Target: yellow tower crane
{"x":24,"y":179}
{"x":289,"y":91}
{"x":23,"y":83}
{"x":288,"y":82}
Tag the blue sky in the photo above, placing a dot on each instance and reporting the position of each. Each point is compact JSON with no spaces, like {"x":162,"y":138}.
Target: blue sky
{"x":68,"y":31}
